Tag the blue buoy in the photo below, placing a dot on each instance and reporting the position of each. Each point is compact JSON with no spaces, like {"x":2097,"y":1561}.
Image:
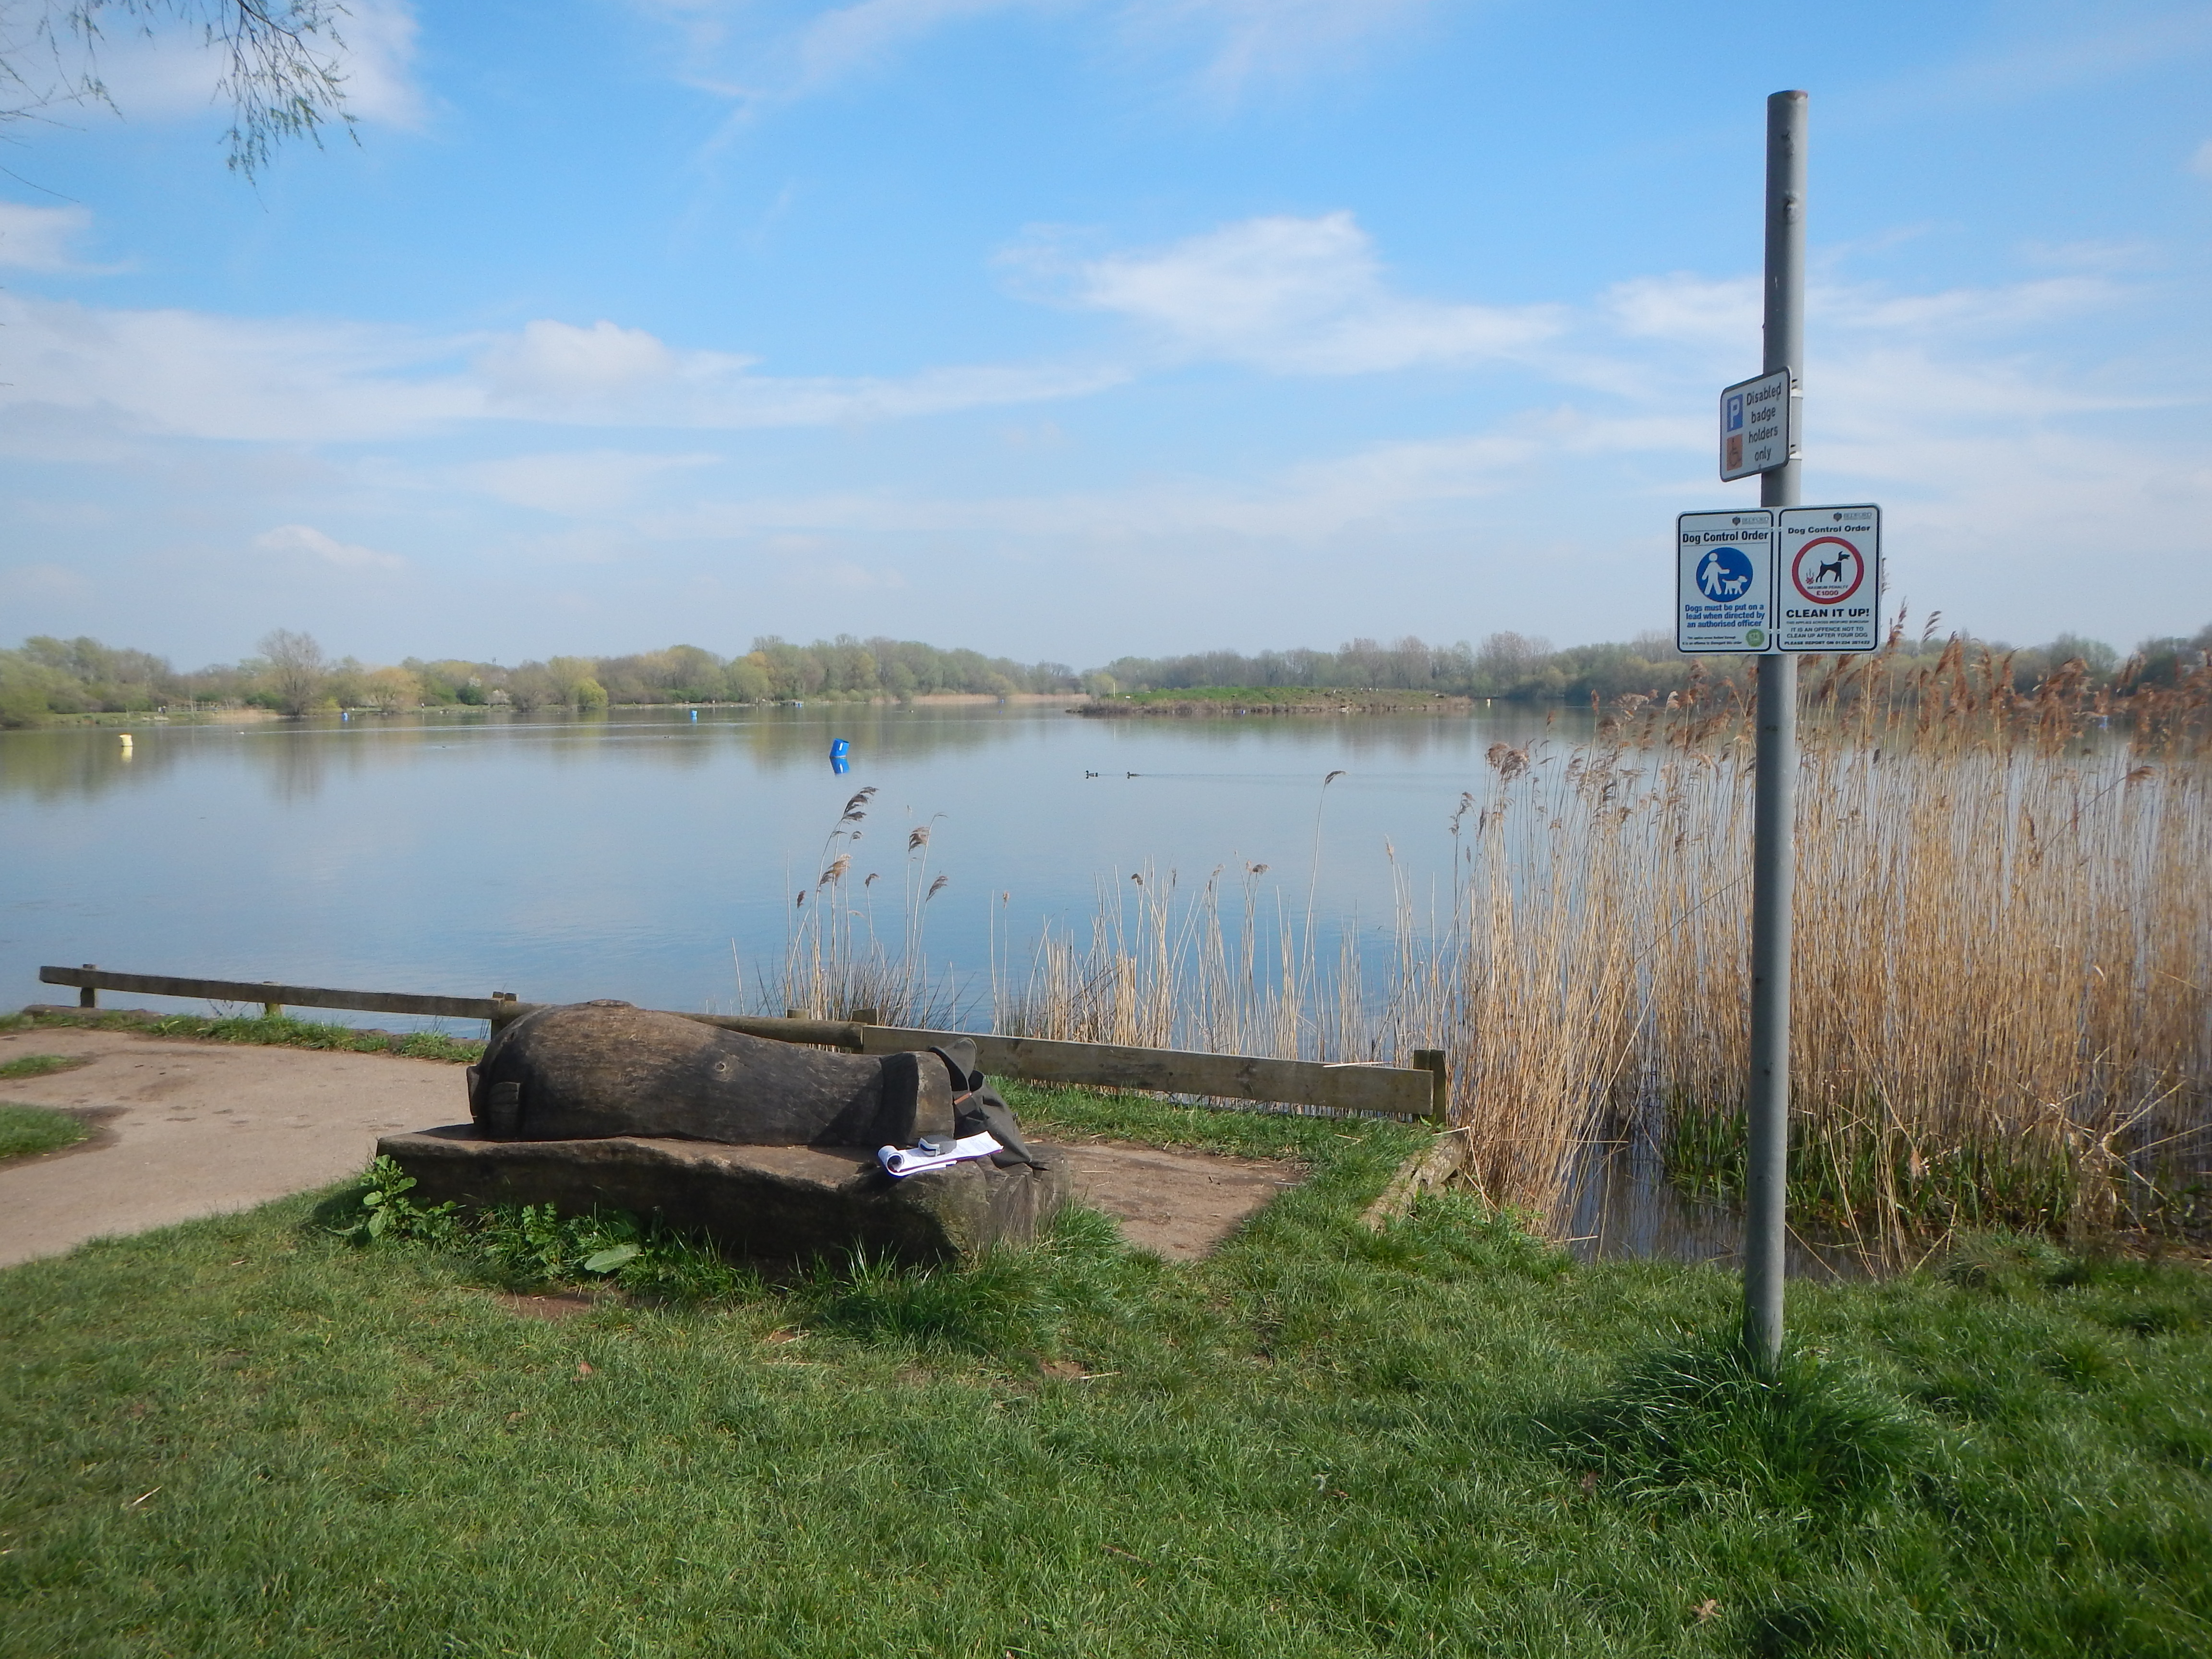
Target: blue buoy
{"x":840,"y":746}
{"x":694,"y":714}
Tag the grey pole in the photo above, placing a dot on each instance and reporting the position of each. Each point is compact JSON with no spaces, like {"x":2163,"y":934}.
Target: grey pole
{"x":1774,"y":862}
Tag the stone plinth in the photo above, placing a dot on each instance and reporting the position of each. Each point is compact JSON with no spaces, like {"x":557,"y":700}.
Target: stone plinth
{"x":790,"y":1202}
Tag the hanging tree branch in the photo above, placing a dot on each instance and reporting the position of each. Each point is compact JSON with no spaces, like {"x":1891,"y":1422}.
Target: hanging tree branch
{"x":281,"y":76}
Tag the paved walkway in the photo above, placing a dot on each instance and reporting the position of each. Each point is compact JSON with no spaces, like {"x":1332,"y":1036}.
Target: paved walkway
{"x":188,"y":1129}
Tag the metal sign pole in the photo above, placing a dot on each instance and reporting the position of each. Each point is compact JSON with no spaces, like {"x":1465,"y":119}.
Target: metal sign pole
{"x":1774,"y":864}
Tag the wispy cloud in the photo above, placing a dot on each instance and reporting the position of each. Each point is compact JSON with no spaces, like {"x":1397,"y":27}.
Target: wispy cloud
{"x":1295,"y":295}
{"x":1241,"y":45}
{"x":189,"y":374}
{"x":1997,"y":421}
{"x":167,"y":68}
{"x":304,"y":543}
{"x":1223,"y":48}
{"x":41,"y":238}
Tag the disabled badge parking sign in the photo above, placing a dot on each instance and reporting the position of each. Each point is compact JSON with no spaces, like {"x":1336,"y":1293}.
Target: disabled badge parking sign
{"x":1724,"y":582}
{"x":1829,"y":592}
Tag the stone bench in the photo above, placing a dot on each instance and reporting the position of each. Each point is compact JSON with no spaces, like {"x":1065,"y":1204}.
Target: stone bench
{"x":784,"y":1202}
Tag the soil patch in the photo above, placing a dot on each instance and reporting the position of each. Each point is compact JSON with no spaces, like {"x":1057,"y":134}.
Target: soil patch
{"x":1180,"y":1204}
{"x":555,"y":1306}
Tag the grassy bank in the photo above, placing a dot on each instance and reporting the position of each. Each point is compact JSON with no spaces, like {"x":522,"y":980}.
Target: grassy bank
{"x":248,"y":1435}
{"x":282,"y":1032}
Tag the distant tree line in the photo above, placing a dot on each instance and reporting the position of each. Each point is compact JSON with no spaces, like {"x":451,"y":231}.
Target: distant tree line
{"x":1521,"y":666}
{"x":291,"y":673}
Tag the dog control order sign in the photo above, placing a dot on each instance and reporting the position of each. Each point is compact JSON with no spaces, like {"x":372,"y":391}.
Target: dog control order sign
{"x":1801,"y":578}
{"x":1724,"y":582}
{"x":1827,"y":578}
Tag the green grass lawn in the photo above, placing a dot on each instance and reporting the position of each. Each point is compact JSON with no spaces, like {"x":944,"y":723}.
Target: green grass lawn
{"x":247,"y":1434}
{"x":25,"y":1130}
{"x":283,"y":1031}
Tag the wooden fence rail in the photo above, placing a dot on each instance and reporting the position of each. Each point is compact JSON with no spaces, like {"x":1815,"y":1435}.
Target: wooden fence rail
{"x":1418,"y":1092}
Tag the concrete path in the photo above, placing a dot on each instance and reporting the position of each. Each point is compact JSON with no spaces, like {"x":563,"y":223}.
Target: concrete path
{"x":186,"y":1129}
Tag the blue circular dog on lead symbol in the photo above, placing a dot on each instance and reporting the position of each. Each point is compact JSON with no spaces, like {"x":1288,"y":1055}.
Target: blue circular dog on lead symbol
{"x":1725,"y":574}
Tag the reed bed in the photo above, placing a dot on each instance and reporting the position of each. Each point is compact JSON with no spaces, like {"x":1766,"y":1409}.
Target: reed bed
{"x":2003,"y":950}
{"x":2004,"y":945}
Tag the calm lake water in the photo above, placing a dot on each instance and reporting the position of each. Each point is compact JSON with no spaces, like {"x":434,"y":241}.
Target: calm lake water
{"x":653,"y":857}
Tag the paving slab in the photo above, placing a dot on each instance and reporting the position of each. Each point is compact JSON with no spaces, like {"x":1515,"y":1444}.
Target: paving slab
{"x":185,"y":1129}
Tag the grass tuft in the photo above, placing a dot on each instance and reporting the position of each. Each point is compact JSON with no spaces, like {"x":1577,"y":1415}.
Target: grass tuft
{"x":30,"y":1065}
{"x":27,"y":1131}
{"x":1703,"y":1428}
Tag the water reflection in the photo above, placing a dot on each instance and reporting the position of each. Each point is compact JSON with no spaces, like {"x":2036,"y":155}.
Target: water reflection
{"x":645,"y":855}
{"x":1621,"y":1205}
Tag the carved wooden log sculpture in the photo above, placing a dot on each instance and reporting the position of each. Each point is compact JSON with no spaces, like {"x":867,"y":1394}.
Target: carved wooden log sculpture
{"x":597,"y":1069}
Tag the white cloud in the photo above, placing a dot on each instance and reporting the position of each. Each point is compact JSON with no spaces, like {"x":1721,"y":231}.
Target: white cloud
{"x":1294,"y":296}
{"x":305,"y":542}
{"x":194,"y":375}
{"x":39,"y":238}
{"x":557,"y":361}
{"x":380,"y":62}
{"x":303,"y":381}
{"x":2200,"y":162}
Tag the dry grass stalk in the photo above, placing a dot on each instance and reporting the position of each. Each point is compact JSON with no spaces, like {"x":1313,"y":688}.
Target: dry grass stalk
{"x":2004,"y":936}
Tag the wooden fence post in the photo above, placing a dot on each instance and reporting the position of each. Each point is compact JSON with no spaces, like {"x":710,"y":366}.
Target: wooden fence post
{"x":271,"y":1010}
{"x":89,"y":998}
{"x":1432,"y":1061}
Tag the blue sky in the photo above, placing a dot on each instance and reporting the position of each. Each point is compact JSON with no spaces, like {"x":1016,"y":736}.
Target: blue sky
{"x":1068,"y":328}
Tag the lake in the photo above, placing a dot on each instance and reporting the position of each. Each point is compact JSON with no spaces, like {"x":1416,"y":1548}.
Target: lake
{"x":649,"y":855}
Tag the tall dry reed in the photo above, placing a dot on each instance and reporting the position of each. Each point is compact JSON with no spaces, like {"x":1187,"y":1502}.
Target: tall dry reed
{"x":835,"y":962}
{"x":2004,"y":947}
